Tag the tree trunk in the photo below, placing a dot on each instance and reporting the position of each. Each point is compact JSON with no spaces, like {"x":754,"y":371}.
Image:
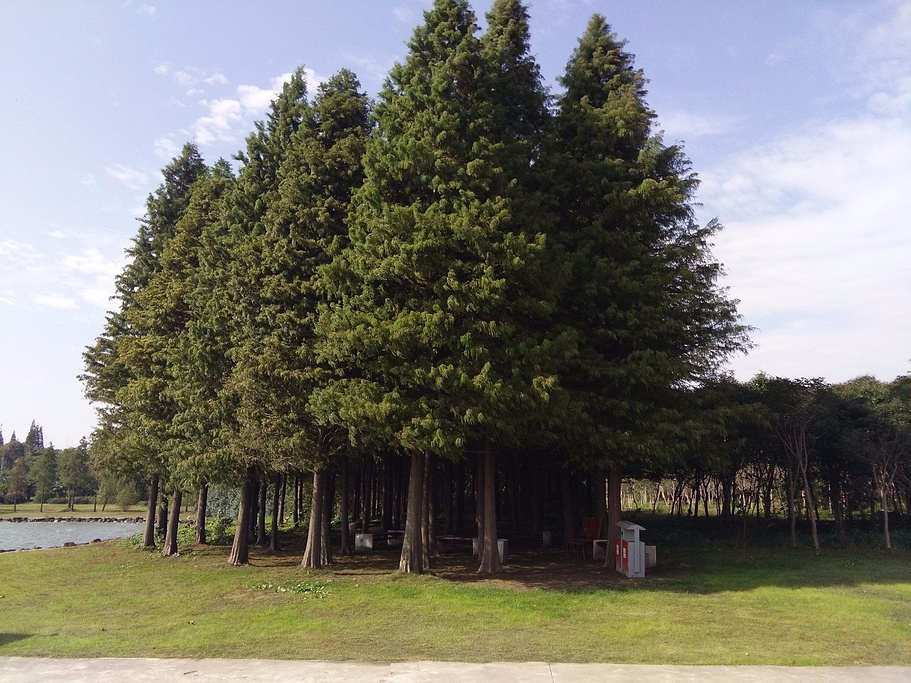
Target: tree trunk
{"x":614,"y":510}
{"x":489,"y":550}
{"x":170,"y":541}
{"x":388,"y":487}
{"x":296,"y":498}
{"x":343,"y":511}
{"x":240,"y":549}
{"x":810,"y":503}
{"x":283,"y":486}
{"x":537,"y":495}
{"x":479,"y":499}
{"x":148,"y":536}
{"x":601,"y":499}
{"x":566,"y":496}
{"x":792,"y":512}
{"x":727,"y":487}
{"x":261,"y":512}
{"x":327,"y":509}
{"x":276,"y":498}
{"x":313,"y":553}
{"x":201,"y":514}
{"x":885,"y":503}
{"x":412,"y":558}
{"x":162,"y":524}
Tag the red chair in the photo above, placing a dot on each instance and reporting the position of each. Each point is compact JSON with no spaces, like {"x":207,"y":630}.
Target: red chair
{"x":591,"y":531}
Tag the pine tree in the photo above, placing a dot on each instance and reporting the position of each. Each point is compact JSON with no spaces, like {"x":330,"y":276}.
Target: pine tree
{"x":234,"y":315}
{"x":302,"y":227}
{"x":126,"y":370}
{"x":432,"y":298}
{"x":643,"y":305}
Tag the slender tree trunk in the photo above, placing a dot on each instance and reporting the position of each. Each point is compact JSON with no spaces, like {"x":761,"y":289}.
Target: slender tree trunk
{"x":489,"y":551}
{"x":388,"y":487}
{"x":448,"y":472}
{"x":479,"y":500}
{"x":240,"y":549}
{"x":261,"y":539}
{"x":792,"y":505}
{"x":537,"y":502}
{"x":601,"y":499}
{"x":566,"y":496}
{"x":883,"y":494}
{"x":170,"y":541}
{"x":614,"y":510}
{"x":162,"y":524}
{"x":313,"y":553}
{"x":295,"y":502}
{"x":276,"y":497}
{"x":412,"y":558}
{"x":283,"y":486}
{"x":201,"y":514}
{"x":148,"y":536}
{"x":327,"y":509}
{"x":727,"y":486}
{"x":343,"y":510}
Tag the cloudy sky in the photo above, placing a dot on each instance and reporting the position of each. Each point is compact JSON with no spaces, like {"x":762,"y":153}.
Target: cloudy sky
{"x":796,"y":115}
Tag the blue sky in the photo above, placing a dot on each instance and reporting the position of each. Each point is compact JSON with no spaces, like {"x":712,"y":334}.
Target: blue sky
{"x":796,"y":115}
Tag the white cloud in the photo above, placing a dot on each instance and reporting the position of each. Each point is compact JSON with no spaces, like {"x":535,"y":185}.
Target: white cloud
{"x":57,"y":234}
{"x":682,"y":125}
{"x":17,"y":254}
{"x":229,"y":119}
{"x":132,"y":178}
{"x":816,"y":243}
{"x":91,"y":262}
{"x":166,"y":148}
{"x":55,"y":301}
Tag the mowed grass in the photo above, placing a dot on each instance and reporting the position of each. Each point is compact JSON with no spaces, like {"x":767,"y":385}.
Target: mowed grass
{"x":701,"y":606}
{"x":52,"y":510}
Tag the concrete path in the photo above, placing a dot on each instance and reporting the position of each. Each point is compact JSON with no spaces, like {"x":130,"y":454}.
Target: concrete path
{"x":29,"y":670}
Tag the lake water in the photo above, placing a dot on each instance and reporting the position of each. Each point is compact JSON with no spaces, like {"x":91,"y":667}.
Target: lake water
{"x":24,"y":535}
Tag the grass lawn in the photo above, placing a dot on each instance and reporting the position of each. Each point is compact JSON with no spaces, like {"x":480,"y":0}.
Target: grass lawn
{"x":59,"y":510}
{"x":702,"y":605}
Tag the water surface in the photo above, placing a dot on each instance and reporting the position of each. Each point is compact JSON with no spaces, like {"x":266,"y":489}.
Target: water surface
{"x":24,"y":535}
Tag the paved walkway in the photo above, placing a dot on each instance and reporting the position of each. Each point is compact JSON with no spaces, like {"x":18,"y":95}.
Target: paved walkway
{"x":29,"y":670}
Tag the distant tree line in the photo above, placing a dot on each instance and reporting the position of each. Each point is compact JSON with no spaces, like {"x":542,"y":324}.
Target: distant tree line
{"x":471,"y":307}
{"x":30,"y":470}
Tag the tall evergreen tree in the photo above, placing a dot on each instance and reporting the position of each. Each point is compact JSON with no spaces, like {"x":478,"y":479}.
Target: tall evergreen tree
{"x":433,"y":296}
{"x":303,"y":226}
{"x":126,"y":369}
{"x":236,"y":313}
{"x":643,"y":304}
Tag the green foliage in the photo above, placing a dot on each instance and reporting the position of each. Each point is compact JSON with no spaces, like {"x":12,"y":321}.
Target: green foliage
{"x":220,"y":530}
{"x":433,"y":302}
{"x":643,"y":313}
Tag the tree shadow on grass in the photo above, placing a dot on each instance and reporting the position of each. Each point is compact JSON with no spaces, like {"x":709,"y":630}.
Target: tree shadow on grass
{"x":7,"y":638}
{"x":704,"y":562}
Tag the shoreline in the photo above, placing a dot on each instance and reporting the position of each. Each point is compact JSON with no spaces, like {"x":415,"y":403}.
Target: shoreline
{"x":131,"y":520}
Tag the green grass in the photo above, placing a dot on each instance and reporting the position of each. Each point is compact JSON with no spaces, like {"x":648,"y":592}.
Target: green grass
{"x":704,"y":605}
{"x":79,"y":510}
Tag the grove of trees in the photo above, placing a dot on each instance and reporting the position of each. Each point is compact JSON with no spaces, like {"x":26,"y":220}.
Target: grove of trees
{"x":473,"y":306}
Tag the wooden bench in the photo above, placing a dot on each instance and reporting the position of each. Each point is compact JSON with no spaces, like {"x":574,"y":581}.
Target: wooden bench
{"x":451,"y":544}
